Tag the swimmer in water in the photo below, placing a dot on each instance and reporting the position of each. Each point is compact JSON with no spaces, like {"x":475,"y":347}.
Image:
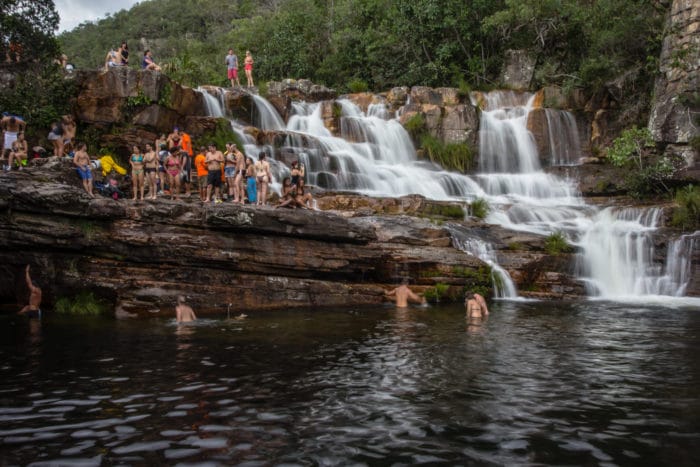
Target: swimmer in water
{"x":402,"y":294}
{"x":184,"y":312}
{"x":32,"y":310}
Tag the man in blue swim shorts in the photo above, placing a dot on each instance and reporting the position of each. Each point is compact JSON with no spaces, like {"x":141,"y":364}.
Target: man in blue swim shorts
{"x":81,"y":160}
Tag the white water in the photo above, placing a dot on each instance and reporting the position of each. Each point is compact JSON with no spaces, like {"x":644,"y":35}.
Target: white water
{"x":503,"y":285}
{"x":374,"y":156}
{"x":564,"y":142}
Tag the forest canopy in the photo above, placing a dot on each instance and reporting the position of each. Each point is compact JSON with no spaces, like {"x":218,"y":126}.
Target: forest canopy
{"x":378,"y":44}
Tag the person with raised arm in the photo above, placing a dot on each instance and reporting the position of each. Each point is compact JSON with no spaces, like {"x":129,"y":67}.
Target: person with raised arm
{"x":32,"y":309}
{"x":402,"y":295}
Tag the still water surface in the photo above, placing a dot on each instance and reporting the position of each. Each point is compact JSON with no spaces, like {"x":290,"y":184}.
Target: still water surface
{"x":584,"y":383}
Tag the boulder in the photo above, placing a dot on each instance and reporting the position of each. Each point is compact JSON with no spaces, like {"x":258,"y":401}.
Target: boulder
{"x":518,"y":69}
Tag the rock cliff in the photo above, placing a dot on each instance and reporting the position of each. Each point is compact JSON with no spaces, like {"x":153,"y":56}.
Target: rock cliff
{"x":140,"y":255}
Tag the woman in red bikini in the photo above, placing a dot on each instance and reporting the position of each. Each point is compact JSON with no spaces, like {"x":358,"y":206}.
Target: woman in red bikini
{"x":248,"y":65}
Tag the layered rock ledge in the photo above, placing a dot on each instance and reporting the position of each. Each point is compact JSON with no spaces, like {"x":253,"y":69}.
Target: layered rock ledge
{"x":141,"y":255}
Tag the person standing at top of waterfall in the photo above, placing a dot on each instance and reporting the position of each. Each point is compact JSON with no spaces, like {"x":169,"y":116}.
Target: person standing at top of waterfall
{"x":402,"y":295}
{"x":232,"y":67}
{"x":263,"y":177}
{"x":248,"y":65}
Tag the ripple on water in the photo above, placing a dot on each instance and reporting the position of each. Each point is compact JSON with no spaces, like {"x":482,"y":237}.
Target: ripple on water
{"x":142,"y":447}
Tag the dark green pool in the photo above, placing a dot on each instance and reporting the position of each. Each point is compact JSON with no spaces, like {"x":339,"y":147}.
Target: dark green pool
{"x":585,"y":383}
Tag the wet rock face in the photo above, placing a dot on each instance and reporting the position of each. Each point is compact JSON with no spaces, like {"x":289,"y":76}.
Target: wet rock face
{"x":141,"y":255}
{"x":282,"y":93}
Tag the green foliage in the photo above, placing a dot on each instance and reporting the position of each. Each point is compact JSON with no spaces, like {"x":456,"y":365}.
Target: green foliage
{"x":695,"y":143}
{"x":479,"y":280}
{"x":451,"y":211}
{"x":687,"y":215}
{"x":556,"y":244}
{"x":479,"y":208}
{"x":629,"y":147}
{"x":453,"y":156}
{"x":437,"y":293}
{"x":220,"y":136}
{"x":165,"y":96}
{"x":40,"y":95}
{"x":84,"y":303}
{"x":415,"y":125}
{"x":30,"y":25}
{"x":357,"y":85}
{"x":385,"y":43}
{"x":133,"y":103}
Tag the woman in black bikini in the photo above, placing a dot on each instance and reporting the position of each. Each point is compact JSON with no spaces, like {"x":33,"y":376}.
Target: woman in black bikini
{"x":150,"y":162}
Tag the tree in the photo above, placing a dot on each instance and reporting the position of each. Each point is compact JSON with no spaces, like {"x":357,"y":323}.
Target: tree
{"x":27,"y":28}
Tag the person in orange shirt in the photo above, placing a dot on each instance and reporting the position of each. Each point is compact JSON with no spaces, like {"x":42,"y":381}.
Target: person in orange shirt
{"x":202,"y":172}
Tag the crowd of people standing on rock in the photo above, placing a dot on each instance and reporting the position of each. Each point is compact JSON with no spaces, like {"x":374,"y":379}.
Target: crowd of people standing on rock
{"x":214,"y":175}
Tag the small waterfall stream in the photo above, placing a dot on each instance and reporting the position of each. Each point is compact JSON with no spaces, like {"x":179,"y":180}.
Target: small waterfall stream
{"x":375,"y":156}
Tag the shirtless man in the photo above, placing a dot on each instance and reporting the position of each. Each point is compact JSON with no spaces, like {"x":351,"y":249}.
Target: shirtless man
{"x":32,"y":310}
{"x":183,"y":312}
{"x":11,"y":125}
{"x":214,"y":159}
{"x":81,"y":160}
{"x":238,"y":188}
{"x":403,"y":294}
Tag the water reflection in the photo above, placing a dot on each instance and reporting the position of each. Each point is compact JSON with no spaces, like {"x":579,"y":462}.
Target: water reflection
{"x":583,"y":383}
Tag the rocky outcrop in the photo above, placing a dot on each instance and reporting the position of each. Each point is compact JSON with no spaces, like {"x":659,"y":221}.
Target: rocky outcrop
{"x":140,"y":255}
{"x":282,"y":93}
{"x":447,"y":115}
{"x":518,"y":69}
{"x":675,"y":114}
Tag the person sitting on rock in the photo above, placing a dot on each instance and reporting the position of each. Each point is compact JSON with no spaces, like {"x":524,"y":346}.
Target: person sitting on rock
{"x":18,"y":155}
{"x":288,"y":198}
{"x":81,"y":160}
{"x":304,"y":197}
{"x":148,"y":63}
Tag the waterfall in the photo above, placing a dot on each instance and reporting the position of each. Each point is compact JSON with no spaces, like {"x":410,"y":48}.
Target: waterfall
{"x":503,"y":285}
{"x":214,"y":106}
{"x":619,"y":256}
{"x":266,"y":116}
{"x":374,"y":156}
{"x":564,"y":142}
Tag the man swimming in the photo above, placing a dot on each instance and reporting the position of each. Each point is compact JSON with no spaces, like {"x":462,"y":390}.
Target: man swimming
{"x":403,"y":294}
{"x":32,"y":310}
{"x":183,"y":312}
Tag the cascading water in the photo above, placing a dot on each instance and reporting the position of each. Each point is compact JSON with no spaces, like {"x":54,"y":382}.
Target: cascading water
{"x":503,"y":285}
{"x":564,"y":142}
{"x":374,"y":156}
